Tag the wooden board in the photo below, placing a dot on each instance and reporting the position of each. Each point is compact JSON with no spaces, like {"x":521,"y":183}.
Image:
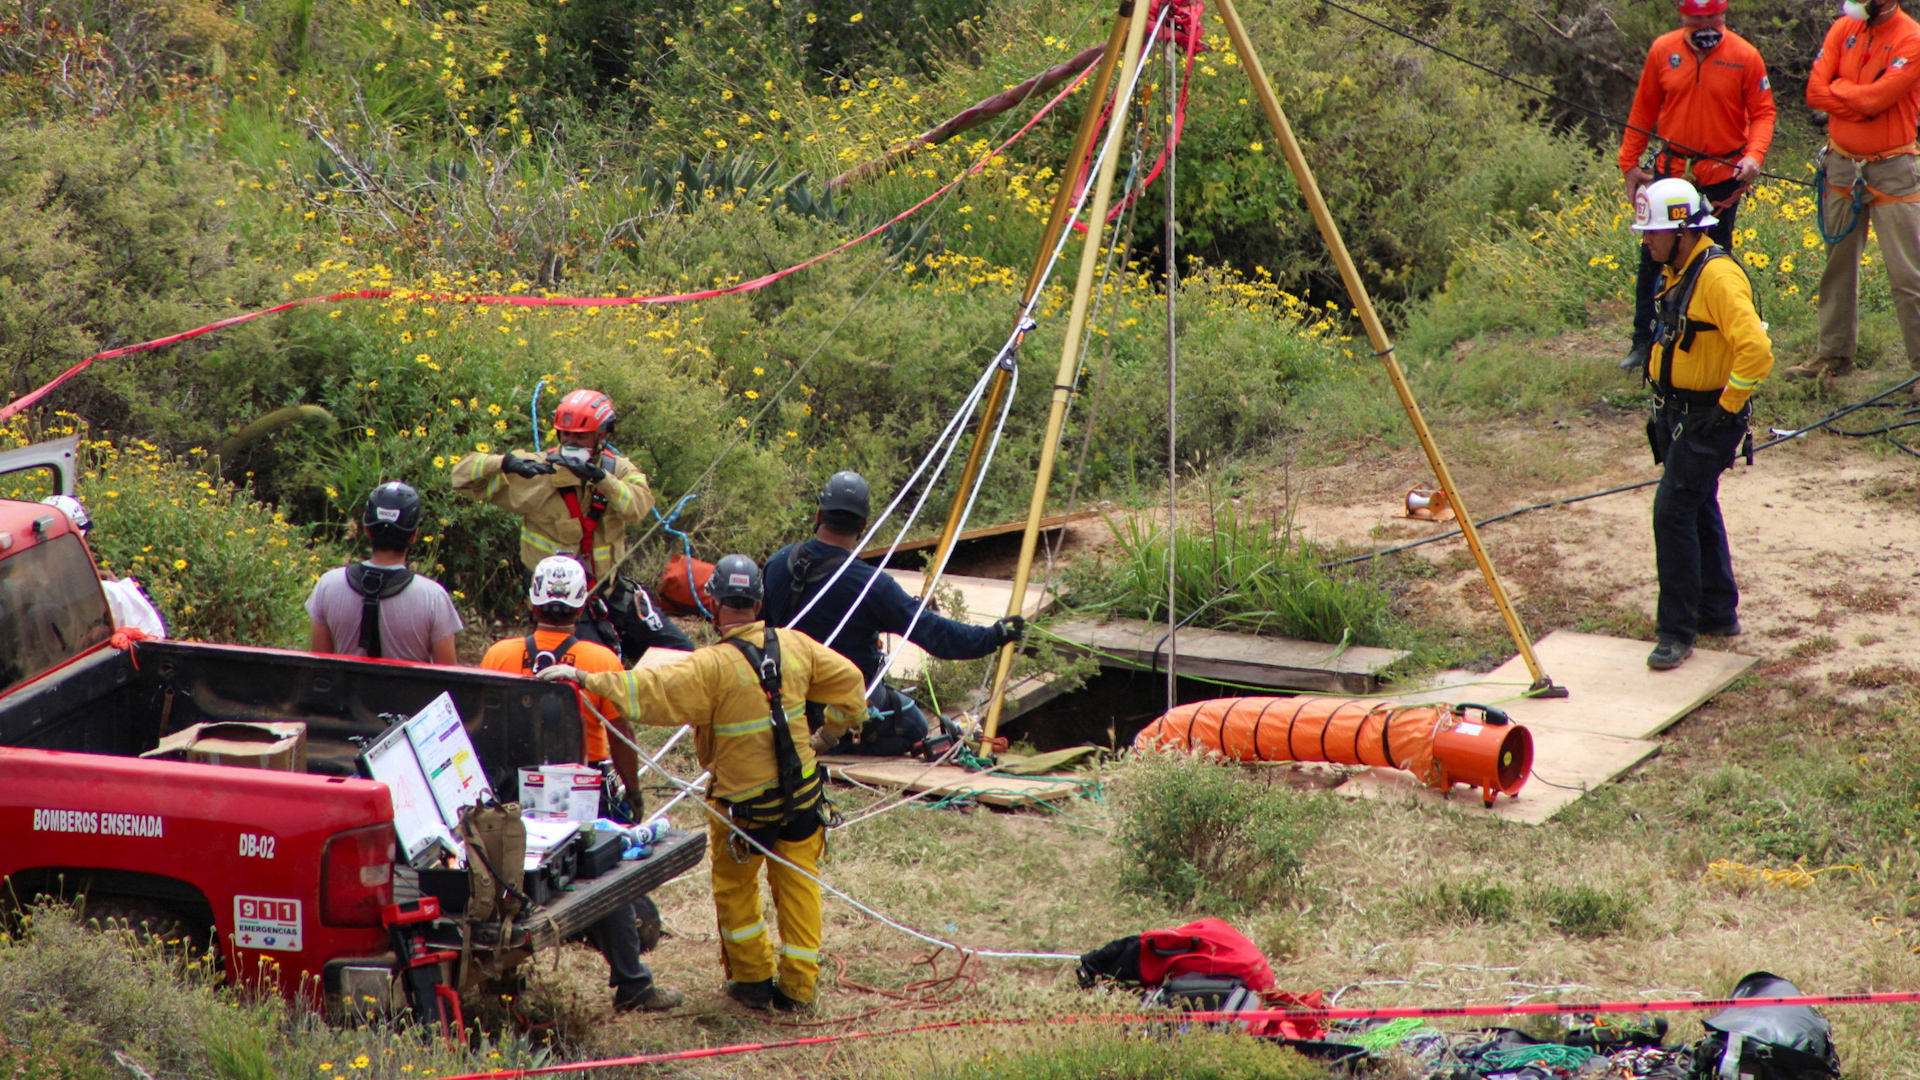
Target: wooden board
{"x":1575,"y":761}
{"x":656,"y":657}
{"x":1279,"y":663}
{"x":949,"y":780}
{"x":928,"y":543}
{"x":1612,"y":691}
{"x":986,"y":600}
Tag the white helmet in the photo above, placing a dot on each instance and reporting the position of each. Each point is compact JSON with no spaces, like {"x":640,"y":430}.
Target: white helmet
{"x":1669,"y":204}
{"x":71,"y":507}
{"x":559,"y":579}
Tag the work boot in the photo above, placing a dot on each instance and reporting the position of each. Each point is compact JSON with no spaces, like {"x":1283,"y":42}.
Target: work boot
{"x":633,"y":997}
{"x":1730,"y":628}
{"x":1821,"y":367}
{"x":783,"y":1003}
{"x":1669,"y":654}
{"x":754,"y":995}
{"x":1636,"y":358}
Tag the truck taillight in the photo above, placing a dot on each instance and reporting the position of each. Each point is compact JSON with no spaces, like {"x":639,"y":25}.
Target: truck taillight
{"x":356,"y":876}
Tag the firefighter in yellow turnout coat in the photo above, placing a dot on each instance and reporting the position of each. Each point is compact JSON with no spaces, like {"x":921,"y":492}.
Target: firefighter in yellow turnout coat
{"x":765,"y":780}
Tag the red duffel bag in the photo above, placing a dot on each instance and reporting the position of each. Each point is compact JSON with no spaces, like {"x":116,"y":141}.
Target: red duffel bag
{"x":676,"y":591}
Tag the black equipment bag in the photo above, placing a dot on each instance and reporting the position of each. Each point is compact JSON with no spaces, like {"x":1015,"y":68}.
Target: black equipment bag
{"x":1766,"y":1042}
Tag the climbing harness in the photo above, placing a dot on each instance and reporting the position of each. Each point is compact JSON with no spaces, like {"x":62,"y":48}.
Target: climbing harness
{"x":793,"y":809}
{"x":374,"y":584}
{"x":536,"y":660}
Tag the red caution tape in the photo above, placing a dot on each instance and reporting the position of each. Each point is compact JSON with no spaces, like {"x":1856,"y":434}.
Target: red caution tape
{"x":27,"y":400}
{"x":1895,"y":997}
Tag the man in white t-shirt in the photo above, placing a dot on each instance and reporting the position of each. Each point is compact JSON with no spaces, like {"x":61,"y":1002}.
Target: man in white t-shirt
{"x":126,"y":601}
{"x":413,"y":617}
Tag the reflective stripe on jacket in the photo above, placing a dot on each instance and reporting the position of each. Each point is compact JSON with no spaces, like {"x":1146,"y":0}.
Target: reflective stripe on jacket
{"x":1736,"y":355}
{"x":547,"y":527}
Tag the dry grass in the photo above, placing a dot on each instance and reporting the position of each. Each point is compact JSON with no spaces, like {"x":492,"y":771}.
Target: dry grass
{"x":1374,"y":922}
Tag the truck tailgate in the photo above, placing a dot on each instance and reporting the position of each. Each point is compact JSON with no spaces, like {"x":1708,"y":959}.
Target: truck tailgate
{"x":591,"y":900}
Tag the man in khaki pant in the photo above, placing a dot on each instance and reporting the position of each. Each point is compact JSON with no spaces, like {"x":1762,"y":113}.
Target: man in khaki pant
{"x":1867,"y":79}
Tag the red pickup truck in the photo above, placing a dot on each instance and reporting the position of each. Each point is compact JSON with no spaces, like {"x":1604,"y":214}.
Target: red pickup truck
{"x":287,"y":872}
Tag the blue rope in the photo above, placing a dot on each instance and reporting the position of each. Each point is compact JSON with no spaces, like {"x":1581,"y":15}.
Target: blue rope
{"x":533,"y":413}
{"x":686,"y":543}
{"x":1820,"y":205}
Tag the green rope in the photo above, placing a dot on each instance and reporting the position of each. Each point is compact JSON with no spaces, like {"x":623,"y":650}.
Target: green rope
{"x":1551,"y":1055}
{"x":1387,"y":1035}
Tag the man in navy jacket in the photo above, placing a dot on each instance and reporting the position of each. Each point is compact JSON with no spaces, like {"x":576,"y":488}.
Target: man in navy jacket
{"x":798,"y":572}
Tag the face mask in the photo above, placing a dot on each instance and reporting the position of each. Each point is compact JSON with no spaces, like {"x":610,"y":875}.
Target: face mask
{"x":1853,"y":9}
{"x":576,"y":455}
{"x":1706,"y":38}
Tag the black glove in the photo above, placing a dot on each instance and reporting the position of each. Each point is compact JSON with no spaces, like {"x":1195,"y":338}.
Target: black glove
{"x":1009,"y":630}
{"x":520,"y":466}
{"x":589,"y":472}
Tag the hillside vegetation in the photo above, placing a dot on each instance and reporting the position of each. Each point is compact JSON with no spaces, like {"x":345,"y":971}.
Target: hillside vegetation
{"x":167,"y":162}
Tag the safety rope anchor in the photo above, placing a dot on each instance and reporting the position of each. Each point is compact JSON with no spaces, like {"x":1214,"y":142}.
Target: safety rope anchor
{"x":1543,"y":687}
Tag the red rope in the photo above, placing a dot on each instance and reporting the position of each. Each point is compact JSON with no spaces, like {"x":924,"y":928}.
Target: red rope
{"x":1896,"y":997}
{"x":29,"y":399}
{"x":1186,"y":31}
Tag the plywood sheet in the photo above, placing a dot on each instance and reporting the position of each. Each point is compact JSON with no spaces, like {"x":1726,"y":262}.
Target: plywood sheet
{"x":1280,"y":663}
{"x":656,"y":657}
{"x":1574,"y":761}
{"x":1612,"y":691}
{"x":1005,"y":528}
{"x":948,"y":780}
{"x":986,"y":600}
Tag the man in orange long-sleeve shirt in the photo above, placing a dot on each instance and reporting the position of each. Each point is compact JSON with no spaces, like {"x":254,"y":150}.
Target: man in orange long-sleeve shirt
{"x":1704,"y":92}
{"x":1867,"y":80}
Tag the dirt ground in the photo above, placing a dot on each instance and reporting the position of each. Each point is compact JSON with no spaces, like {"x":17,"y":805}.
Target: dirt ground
{"x":1825,"y":535}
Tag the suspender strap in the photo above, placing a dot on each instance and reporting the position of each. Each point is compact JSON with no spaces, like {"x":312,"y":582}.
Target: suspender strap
{"x":374,"y":584}
{"x":589,"y":522}
{"x":1676,"y":331}
{"x":804,"y":571}
{"x":793,"y":791}
{"x":536,"y":660}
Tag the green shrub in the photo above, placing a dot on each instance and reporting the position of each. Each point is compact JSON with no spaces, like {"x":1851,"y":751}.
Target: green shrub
{"x":220,"y":566}
{"x":1584,"y":911}
{"x":1234,"y":573}
{"x":1192,"y":1056}
{"x":1196,"y":834}
{"x":1473,"y":903}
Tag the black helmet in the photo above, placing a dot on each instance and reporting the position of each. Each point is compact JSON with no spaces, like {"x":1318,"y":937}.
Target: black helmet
{"x":393,"y":513}
{"x":847,"y":492}
{"x":735,"y":577}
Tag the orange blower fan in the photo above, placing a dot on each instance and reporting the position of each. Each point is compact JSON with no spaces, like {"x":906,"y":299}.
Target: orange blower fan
{"x":1441,"y":745}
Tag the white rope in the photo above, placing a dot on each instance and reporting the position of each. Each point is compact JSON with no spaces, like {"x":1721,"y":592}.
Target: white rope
{"x":1021,"y":326}
{"x":687,"y":789}
{"x":926,"y":594}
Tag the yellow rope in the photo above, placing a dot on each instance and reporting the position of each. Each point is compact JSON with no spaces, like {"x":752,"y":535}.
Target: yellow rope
{"x":1797,"y":876}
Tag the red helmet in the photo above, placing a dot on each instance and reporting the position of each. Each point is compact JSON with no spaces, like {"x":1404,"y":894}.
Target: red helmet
{"x":585,"y":410}
{"x":1703,"y":7}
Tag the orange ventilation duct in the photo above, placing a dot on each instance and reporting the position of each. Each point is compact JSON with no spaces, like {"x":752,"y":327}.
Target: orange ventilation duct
{"x":1439,"y":744}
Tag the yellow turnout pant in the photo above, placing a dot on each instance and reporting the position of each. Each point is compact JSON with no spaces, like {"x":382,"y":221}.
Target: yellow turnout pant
{"x":746,"y":949}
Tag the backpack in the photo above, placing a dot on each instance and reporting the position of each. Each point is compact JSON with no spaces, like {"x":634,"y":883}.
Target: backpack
{"x":374,"y":584}
{"x":1766,"y":1042}
{"x":1208,"y":947}
{"x":683,"y":586}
